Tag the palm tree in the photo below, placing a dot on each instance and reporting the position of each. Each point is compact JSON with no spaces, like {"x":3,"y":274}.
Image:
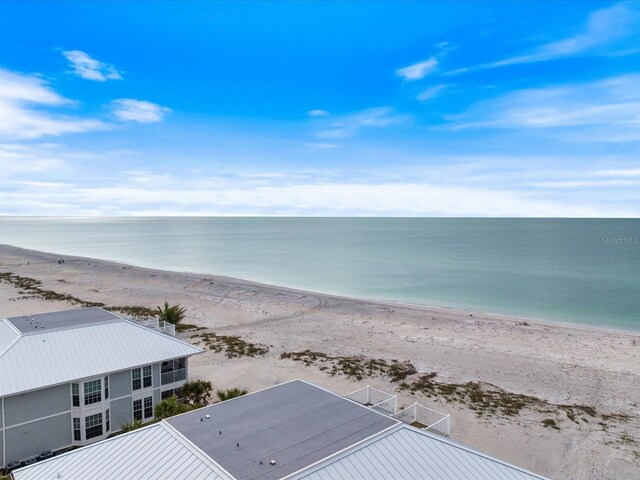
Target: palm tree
{"x":196,"y":392}
{"x":172,"y":314}
{"x":230,"y":393}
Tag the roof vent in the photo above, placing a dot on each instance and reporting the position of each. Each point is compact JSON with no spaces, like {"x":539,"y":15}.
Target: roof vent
{"x":207,"y":416}
{"x":272,"y":462}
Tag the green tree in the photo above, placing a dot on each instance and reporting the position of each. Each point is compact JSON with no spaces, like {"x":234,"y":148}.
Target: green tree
{"x":172,"y":314}
{"x":129,"y":426}
{"x":169,"y":407}
{"x":230,"y":393}
{"x":196,"y":393}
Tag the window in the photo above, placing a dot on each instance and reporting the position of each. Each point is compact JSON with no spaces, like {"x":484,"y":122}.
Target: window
{"x":92,"y":392}
{"x":106,"y":388}
{"x":136,"y":382}
{"x":148,"y":407}
{"x":146,"y":376}
{"x":173,"y":371}
{"x":137,"y":409}
{"x":174,"y":392}
{"x":107,"y":420}
{"x":75,"y":394}
{"x":93,"y":425}
{"x":77,"y":432}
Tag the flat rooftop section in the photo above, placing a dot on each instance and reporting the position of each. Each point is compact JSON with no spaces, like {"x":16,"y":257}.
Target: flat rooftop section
{"x":294,"y":424}
{"x":69,"y":318}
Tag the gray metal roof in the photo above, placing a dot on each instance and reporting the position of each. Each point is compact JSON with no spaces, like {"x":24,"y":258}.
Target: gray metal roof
{"x":49,"y":357}
{"x":296,"y":424}
{"x":151,"y":453}
{"x":407,"y":453}
{"x":8,"y":335}
{"x":311,"y":433}
{"x":69,"y":318}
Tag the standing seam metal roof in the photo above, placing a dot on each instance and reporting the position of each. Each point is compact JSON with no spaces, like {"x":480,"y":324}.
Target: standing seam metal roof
{"x":152,"y":453}
{"x":189,"y":446}
{"x":52,"y":357}
{"x":411,"y":454}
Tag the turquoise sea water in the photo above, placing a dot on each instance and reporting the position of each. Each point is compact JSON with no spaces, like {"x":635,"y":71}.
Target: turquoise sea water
{"x":576,"y":270}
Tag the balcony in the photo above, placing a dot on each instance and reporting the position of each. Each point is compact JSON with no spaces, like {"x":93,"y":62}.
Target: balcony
{"x":173,"y":376}
{"x":157,"y":324}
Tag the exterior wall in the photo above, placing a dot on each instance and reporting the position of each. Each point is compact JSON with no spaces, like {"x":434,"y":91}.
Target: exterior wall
{"x":26,"y":441}
{"x":40,"y":403}
{"x":121,"y":412}
{"x":156,"y":375}
{"x":120,"y":384}
{"x":34,"y":422}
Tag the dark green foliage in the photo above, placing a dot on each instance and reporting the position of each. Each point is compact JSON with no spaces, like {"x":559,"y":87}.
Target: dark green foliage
{"x":230,"y":393}
{"x":196,"y":393}
{"x":172,"y":314}
{"x":169,"y":407}
{"x":130,"y":426}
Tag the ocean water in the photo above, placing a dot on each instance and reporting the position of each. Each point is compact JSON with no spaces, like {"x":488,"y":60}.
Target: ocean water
{"x":570,"y":270}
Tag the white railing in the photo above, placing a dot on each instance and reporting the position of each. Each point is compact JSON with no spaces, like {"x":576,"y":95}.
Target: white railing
{"x":417,"y":415}
{"x":425,"y":418}
{"x":157,"y":324}
{"x":374,"y":398}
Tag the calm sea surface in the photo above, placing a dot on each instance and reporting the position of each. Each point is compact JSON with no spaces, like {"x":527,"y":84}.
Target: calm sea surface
{"x":583,"y":271}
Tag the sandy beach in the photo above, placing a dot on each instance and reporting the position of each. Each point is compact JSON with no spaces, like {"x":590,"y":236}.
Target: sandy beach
{"x":560,"y":400}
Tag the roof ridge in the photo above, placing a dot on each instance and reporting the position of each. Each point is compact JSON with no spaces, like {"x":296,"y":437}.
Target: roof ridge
{"x":12,"y":342}
{"x":194,"y":448}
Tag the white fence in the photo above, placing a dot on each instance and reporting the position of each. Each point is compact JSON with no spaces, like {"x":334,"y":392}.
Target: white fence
{"x":157,"y":324}
{"x":425,"y":418}
{"x":417,"y":415}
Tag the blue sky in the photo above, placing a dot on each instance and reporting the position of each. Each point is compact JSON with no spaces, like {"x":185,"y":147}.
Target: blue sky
{"x":327,"y":108}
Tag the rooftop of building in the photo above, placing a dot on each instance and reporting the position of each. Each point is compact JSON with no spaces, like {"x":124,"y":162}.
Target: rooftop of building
{"x":48,"y":349}
{"x":295,"y":430}
{"x":42,"y":322}
{"x":278,"y":431}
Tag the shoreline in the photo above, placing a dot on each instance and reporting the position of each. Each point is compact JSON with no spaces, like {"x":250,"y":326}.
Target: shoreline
{"x":565,"y":396}
{"x":428,"y":307}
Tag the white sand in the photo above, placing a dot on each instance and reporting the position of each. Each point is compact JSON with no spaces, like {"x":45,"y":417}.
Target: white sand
{"x":561,"y":364}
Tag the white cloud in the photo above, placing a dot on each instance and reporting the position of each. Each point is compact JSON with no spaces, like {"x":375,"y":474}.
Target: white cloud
{"x":604,"y":110}
{"x":622,"y":172}
{"x":317,"y":113}
{"x":22,"y":116}
{"x":348,"y":125}
{"x":418,"y":70}
{"x":234,"y":196}
{"x":89,"y":68}
{"x":131,"y":110}
{"x":604,"y":28}
{"x":431,"y":92}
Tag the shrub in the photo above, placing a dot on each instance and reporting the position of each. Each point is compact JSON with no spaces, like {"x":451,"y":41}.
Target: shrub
{"x":230,"y":393}
{"x":169,"y":407}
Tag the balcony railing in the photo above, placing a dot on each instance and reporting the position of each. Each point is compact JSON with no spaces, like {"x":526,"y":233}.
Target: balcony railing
{"x":173,"y":376}
{"x":417,"y":415}
{"x":156,"y":324}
